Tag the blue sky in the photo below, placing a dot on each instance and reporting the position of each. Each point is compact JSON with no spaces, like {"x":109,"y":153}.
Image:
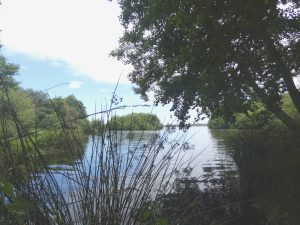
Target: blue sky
{"x":69,"y":41}
{"x":42,"y":74}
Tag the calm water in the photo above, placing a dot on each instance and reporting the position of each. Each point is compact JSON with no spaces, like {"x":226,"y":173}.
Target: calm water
{"x":210,"y":146}
{"x":205,"y":144}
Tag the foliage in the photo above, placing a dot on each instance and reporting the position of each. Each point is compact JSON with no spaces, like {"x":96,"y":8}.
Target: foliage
{"x":256,"y":117}
{"x":22,"y":103}
{"x":33,"y":113}
{"x":7,"y":71}
{"x":71,"y":112}
{"x":136,"y":121}
{"x":289,"y":108}
{"x":96,"y":126}
{"x":218,"y":123}
{"x":43,"y":109}
{"x":12,"y":204}
{"x":213,"y":56}
{"x":151,"y":214}
{"x":108,"y":186}
{"x":51,"y":141}
{"x":268,"y":166}
{"x":40,"y":115}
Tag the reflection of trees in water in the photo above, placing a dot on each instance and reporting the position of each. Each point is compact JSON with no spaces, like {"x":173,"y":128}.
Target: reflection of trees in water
{"x":214,"y":198}
{"x":211,"y":201}
{"x":266,"y":190}
{"x":138,"y":135}
{"x":62,"y":153}
{"x":222,"y":134}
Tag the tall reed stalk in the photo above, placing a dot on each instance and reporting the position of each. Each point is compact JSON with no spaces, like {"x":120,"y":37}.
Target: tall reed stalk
{"x":111,"y":185}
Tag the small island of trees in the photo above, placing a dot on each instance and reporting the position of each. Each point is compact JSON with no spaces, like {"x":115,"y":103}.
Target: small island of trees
{"x":136,"y":121}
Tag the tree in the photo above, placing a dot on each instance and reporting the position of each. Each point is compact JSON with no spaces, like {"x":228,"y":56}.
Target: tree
{"x":70,"y":110}
{"x":213,"y":56}
{"x":7,"y":71}
{"x":34,"y":109}
{"x":257,"y":117}
{"x":13,"y":99}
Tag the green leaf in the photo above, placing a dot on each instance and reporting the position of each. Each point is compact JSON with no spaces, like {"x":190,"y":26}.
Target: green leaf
{"x":161,"y":221}
{"x":147,"y":215}
{"x":7,"y":188}
{"x":19,"y":205}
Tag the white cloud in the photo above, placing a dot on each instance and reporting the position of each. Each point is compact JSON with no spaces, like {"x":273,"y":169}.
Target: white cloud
{"x":75,"y":84}
{"x":80,"y":33}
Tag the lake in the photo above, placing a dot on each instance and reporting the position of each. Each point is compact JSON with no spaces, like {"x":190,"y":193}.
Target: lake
{"x":205,"y":153}
{"x":118,"y":174}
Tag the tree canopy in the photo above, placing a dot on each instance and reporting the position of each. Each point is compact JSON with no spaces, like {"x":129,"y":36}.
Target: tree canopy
{"x":34,"y":109}
{"x":213,"y":56}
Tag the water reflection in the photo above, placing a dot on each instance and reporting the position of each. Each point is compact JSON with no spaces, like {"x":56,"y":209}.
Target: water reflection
{"x":205,"y":153}
{"x":106,"y":171}
{"x":205,"y":144}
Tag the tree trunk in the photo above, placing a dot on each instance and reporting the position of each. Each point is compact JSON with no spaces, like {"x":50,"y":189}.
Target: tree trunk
{"x":284,"y":72}
{"x":286,"y":119}
{"x":275,"y":109}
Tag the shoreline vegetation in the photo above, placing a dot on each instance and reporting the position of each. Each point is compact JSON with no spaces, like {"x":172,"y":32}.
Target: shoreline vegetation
{"x":257,"y":117}
{"x":136,"y":121}
{"x":114,"y":189}
{"x":118,"y":187}
{"x":235,"y":61}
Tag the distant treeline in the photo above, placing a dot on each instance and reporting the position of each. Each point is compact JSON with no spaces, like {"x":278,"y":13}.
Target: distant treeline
{"x":136,"y":121}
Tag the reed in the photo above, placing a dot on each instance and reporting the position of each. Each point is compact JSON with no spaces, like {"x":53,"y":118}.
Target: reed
{"x":110,"y":186}
{"x":268,"y":166}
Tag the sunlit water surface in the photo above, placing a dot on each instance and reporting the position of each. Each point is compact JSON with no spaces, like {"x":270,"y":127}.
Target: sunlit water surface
{"x":207,"y":152}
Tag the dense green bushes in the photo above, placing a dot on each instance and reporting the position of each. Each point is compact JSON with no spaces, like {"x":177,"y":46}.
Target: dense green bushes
{"x":256,"y":118}
{"x":268,"y":166}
